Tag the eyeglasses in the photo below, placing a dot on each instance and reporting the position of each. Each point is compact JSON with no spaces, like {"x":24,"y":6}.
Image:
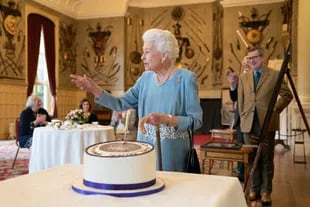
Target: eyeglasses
{"x":253,"y":57}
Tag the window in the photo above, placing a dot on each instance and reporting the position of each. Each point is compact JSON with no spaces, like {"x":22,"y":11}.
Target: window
{"x":41,"y":86}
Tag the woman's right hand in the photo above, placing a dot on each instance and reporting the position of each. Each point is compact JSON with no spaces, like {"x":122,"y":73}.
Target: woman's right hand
{"x":87,"y":84}
{"x":40,"y":119}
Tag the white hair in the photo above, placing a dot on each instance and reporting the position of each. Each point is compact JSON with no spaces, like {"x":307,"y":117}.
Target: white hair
{"x":164,"y":42}
{"x":31,"y":100}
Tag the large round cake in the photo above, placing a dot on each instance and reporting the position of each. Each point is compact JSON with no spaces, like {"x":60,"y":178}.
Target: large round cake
{"x":120,"y":168}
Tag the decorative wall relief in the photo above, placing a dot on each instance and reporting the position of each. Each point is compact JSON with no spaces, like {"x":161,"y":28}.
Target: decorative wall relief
{"x":217,"y":62}
{"x":190,"y":30}
{"x":252,"y":32}
{"x":192,"y":27}
{"x":194,"y":39}
{"x":178,"y":14}
{"x":68,"y":48}
{"x":13,"y":41}
{"x":99,"y":39}
{"x":254,"y":26}
{"x":135,"y":26}
{"x":94,"y":63}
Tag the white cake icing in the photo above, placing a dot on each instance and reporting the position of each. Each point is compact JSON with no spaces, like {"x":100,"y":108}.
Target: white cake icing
{"x":120,"y":163}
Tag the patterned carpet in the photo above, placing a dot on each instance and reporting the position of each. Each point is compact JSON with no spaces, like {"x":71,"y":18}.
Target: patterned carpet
{"x":7,"y":154}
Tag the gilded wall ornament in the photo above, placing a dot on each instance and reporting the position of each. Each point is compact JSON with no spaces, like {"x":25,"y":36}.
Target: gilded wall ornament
{"x":68,"y":48}
{"x":11,"y":65}
{"x":254,"y":26}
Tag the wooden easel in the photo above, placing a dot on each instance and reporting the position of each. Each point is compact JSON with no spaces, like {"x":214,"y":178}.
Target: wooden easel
{"x":284,"y":70}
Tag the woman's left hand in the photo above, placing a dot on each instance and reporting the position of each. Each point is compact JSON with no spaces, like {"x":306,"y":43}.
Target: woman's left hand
{"x":153,"y":118}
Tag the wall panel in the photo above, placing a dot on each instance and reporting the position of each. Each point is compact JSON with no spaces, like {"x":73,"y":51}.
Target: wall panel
{"x":68,"y":100}
{"x":12,"y":102}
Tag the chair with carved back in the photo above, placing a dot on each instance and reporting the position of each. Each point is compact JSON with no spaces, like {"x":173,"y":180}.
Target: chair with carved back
{"x":17,"y":134}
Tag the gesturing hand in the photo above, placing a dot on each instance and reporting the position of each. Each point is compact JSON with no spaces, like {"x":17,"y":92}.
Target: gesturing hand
{"x":87,"y":84}
{"x":41,"y":118}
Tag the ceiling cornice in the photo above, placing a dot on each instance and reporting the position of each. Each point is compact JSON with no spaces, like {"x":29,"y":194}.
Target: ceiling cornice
{"x":67,"y":7}
{"x":91,"y":9}
{"x":162,"y":3}
{"x":235,"y":3}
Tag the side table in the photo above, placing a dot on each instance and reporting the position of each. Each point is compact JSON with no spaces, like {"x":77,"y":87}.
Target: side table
{"x":231,"y":155}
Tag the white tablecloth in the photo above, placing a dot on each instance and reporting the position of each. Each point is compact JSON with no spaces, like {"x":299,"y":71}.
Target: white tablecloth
{"x":53,"y":147}
{"x":52,"y":187}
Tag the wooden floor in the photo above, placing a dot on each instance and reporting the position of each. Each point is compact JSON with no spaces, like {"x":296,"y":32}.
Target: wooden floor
{"x":291,"y":183}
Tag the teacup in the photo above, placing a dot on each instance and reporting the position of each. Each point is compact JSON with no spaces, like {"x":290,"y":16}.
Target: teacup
{"x":67,"y":124}
{"x":95,"y":123}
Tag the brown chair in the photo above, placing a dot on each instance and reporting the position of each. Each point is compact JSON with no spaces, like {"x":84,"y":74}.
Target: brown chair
{"x":227,"y":117}
{"x":228,"y":134}
{"x":17,"y":140}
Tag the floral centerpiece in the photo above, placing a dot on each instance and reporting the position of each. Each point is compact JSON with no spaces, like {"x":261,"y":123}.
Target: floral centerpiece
{"x":77,"y":116}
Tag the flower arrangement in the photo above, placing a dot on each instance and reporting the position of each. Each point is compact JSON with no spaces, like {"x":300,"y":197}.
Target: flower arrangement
{"x":77,"y":116}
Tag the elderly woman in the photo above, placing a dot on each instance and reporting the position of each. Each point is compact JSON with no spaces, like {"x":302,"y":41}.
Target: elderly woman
{"x":86,"y":107}
{"x":31,"y":117}
{"x":164,"y":96}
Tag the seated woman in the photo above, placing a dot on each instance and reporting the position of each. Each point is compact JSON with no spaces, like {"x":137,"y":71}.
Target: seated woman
{"x":86,"y":107}
{"x":31,"y":117}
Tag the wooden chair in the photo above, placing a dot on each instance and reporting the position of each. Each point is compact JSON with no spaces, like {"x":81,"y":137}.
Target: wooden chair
{"x":227,"y":119}
{"x":17,"y":140}
{"x":227,"y":134}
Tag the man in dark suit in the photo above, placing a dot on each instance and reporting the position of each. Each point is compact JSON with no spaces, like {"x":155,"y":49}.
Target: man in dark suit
{"x":254,"y":96}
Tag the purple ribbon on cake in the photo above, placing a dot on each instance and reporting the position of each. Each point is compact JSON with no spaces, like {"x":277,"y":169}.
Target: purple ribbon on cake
{"x":119,"y":194}
{"x":119,"y":186}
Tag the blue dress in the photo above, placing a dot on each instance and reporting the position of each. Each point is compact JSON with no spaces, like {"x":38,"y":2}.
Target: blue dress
{"x":179,"y":97}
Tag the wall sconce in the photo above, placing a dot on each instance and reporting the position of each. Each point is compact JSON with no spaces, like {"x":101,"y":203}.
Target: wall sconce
{"x":128,"y":20}
{"x":65,"y":56}
{"x":99,"y":59}
{"x":141,"y":22}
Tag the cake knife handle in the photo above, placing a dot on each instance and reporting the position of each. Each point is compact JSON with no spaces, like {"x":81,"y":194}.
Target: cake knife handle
{"x":126,"y":125}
